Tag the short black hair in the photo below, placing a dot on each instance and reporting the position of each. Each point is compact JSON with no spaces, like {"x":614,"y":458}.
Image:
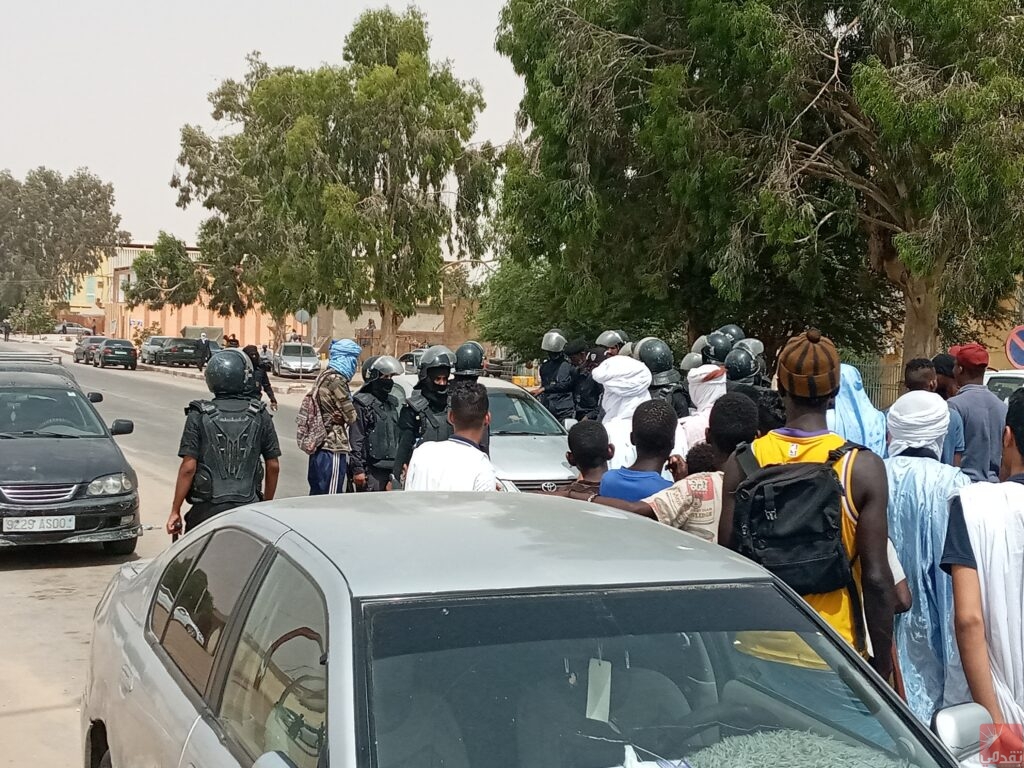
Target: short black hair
{"x":588,"y":443}
{"x":701,"y":458}
{"x":576,"y":347}
{"x":771,"y":413}
{"x":654,"y":428}
{"x":733,"y":420}
{"x":810,"y":403}
{"x":944,"y":364}
{"x":917,"y":373}
{"x":469,"y":405}
{"x":1015,"y":418}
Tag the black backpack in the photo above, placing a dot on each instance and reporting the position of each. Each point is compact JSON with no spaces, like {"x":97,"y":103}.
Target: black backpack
{"x":789,"y":519}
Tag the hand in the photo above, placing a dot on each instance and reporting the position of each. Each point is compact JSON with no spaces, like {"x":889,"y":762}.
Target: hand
{"x":677,"y":466}
{"x":390,"y":486}
{"x":537,"y":391}
{"x":273,"y":405}
{"x":359,"y":480}
{"x":174,"y":522}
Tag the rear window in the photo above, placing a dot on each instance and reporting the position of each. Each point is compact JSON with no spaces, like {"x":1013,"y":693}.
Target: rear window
{"x":119,"y":343}
{"x":179,"y":342}
{"x":157,"y":339}
{"x":92,"y":339}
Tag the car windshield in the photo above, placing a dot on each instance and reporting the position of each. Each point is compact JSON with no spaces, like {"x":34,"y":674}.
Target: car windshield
{"x":298,"y":350}
{"x":92,"y":339}
{"x":703,"y":675}
{"x":517,"y":413}
{"x":1004,"y":386}
{"x":156,"y":339}
{"x":47,"y":413}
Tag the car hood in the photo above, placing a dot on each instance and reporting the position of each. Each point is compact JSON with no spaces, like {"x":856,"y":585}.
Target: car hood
{"x":531,"y":457}
{"x":51,"y":460}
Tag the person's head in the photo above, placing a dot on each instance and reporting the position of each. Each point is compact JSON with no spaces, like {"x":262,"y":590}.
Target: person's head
{"x":589,"y":450}
{"x":919,"y":375}
{"x":733,"y":420}
{"x":707,"y":383}
{"x":343,"y":357}
{"x":1013,"y":437}
{"x":771,"y":413}
{"x":612,"y":342}
{"x":808,"y":373}
{"x":469,"y":361}
{"x":553,"y":342}
{"x":253,"y":354}
{"x":264,"y":347}
{"x":229,"y":372}
{"x":202,"y":336}
{"x":470,"y":409}
{"x":576,"y":351}
{"x":379,"y":374}
{"x":701,"y":458}
{"x":945,"y":378}
{"x":232,"y":336}
{"x":917,"y":420}
{"x":971,"y":363}
{"x":654,"y":430}
{"x":435,"y":369}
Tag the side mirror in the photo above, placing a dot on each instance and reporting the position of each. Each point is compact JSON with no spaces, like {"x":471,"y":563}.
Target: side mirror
{"x":122,"y":427}
{"x":959,"y":728}
{"x":95,"y":397}
{"x":273,"y":760}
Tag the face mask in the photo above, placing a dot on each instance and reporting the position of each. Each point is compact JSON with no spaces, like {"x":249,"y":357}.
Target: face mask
{"x":383,"y":386}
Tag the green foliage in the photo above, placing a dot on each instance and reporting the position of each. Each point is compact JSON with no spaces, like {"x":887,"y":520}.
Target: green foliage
{"x":33,"y":315}
{"x":142,"y":335}
{"x":166,"y":276}
{"x":54,"y":229}
{"x":772,"y":158}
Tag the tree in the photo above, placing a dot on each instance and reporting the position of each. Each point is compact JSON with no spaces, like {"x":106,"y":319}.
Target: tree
{"x":53,"y":231}
{"x":744,"y":146}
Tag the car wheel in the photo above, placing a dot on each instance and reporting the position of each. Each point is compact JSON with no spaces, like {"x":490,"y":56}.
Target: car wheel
{"x":121,"y":546}
{"x":190,"y":631}
{"x":102,"y":363}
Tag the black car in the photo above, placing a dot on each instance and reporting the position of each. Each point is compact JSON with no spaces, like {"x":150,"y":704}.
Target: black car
{"x":181,"y":351}
{"x":37,"y":363}
{"x":115,"y":352}
{"x":63,"y":478}
{"x":85,"y":348}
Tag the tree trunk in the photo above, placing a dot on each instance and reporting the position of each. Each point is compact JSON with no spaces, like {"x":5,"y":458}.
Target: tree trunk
{"x":390,"y":322}
{"x":278,"y":331}
{"x":921,"y":320}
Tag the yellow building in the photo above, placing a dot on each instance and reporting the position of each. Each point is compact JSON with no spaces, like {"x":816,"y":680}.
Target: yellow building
{"x":86,"y":305}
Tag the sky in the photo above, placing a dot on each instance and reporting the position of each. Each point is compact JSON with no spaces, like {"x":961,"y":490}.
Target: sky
{"x":108,"y":84}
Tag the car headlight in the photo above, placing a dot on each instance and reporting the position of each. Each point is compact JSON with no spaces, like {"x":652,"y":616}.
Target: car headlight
{"x":508,"y":486}
{"x":110,"y":485}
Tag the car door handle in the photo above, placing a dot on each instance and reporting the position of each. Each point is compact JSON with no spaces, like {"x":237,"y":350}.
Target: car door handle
{"x":127,"y":679}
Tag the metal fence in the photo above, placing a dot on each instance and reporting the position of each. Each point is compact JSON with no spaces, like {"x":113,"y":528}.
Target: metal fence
{"x":883,"y":382}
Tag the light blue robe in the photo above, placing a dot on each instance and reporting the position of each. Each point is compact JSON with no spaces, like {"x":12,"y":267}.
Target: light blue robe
{"x":919,"y":492}
{"x":854,"y":417}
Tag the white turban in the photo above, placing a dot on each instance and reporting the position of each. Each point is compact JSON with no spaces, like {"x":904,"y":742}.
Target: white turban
{"x":707,"y":384}
{"x":918,"y":420}
{"x":626,"y":383}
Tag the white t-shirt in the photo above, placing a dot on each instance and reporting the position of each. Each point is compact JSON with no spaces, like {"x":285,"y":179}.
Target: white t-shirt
{"x":451,"y":465}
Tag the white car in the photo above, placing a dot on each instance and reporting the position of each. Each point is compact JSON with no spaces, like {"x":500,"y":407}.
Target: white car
{"x":472,"y":630}
{"x":1004,"y":383}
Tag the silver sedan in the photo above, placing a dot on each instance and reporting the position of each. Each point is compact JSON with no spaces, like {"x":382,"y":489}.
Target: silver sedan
{"x":475,"y":631}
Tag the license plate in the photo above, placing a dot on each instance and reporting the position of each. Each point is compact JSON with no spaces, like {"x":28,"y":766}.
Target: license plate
{"x":39,"y":524}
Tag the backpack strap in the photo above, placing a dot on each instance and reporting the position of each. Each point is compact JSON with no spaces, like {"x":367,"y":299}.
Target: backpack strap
{"x":847,"y":453}
{"x":746,"y":459}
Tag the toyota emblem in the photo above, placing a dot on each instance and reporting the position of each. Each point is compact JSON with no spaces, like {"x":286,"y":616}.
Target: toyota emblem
{"x":549,"y":487}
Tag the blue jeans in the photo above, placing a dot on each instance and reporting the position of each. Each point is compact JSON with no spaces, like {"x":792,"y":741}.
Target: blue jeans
{"x":327,"y":472}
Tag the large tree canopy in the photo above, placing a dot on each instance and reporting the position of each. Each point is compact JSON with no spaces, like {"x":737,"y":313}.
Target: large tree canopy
{"x":344,"y":184}
{"x":775,"y":153}
{"x":54,"y":229}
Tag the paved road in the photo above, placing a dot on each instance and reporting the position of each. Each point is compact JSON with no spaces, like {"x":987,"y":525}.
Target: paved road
{"x":47,"y":594}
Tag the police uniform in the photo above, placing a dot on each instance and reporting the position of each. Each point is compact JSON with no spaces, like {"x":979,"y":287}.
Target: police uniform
{"x":374,"y":437}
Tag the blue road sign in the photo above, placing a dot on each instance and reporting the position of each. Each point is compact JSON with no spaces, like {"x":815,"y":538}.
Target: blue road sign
{"x":1015,"y":347}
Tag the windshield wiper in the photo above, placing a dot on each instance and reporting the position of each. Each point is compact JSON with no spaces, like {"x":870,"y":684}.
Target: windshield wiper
{"x":517,"y":432}
{"x":37,"y":433}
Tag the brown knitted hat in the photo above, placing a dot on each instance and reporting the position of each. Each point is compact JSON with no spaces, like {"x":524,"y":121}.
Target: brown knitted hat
{"x":809,"y":366}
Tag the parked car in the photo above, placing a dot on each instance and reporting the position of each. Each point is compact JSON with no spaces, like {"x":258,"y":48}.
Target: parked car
{"x":149,"y":347}
{"x":411,"y":360}
{"x":1004,"y":383}
{"x":519,"y":631}
{"x":85,"y":348}
{"x":115,"y":352}
{"x":179,"y":351}
{"x":63,"y":478}
{"x":72,"y":329}
{"x":296,"y":359}
{"x":528,"y":445}
{"x":26,"y":362}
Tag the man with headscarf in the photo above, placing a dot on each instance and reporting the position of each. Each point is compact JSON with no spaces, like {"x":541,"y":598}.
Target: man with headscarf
{"x":920,"y":487}
{"x":328,"y":467}
{"x":626,"y":383}
{"x":853,"y":416}
{"x":707,"y":383}
{"x":203,"y":352}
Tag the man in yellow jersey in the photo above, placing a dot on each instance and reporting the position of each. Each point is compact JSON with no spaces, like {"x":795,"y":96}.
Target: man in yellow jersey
{"x":808,"y":375}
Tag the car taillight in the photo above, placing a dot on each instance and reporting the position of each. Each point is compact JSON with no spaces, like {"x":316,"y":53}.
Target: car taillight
{"x":173,"y":349}
{"x":107,"y":351}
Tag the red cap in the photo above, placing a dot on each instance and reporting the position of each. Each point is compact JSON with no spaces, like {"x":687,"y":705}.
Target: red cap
{"x":970,"y":355}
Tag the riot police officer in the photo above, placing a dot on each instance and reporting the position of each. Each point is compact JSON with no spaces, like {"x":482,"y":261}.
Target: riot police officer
{"x":666,"y":383}
{"x":374,"y":434}
{"x":717,"y":346}
{"x":229,"y":449}
{"x":613,"y":341}
{"x":424,"y":417}
{"x":469,"y":362}
{"x":556,"y":379}
{"x":745,"y":364}
{"x":260,"y":380}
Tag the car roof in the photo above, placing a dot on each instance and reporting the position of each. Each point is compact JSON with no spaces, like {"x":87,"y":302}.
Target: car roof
{"x":408,"y":380}
{"x":30,"y":379}
{"x":407,"y":543}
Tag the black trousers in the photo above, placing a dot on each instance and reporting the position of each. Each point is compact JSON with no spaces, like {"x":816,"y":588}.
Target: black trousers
{"x":377,"y":479}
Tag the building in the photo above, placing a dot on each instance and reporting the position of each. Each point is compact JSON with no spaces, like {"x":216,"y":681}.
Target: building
{"x":85,"y":305}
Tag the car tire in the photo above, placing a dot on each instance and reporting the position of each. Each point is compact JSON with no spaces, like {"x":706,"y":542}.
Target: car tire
{"x":120,"y":547}
{"x":190,"y":632}
{"x":102,"y":363}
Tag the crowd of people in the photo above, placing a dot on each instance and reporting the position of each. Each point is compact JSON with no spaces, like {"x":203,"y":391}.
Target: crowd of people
{"x":903,"y":529}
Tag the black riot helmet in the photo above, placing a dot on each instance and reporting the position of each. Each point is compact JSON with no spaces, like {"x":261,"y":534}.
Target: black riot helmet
{"x":434,"y":360}
{"x":229,"y":372}
{"x":469,"y":360}
{"x":733,"y":331}
{"x":381,"y":365}
{"x":740,"y":364}
{"x":719,"y":345}
{"x":610,"y":339}
{"x":656,"y":355}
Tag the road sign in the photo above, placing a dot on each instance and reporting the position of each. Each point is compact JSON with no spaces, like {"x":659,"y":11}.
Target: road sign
{"x":1015,"y":347}
{"x":302,"y":316}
